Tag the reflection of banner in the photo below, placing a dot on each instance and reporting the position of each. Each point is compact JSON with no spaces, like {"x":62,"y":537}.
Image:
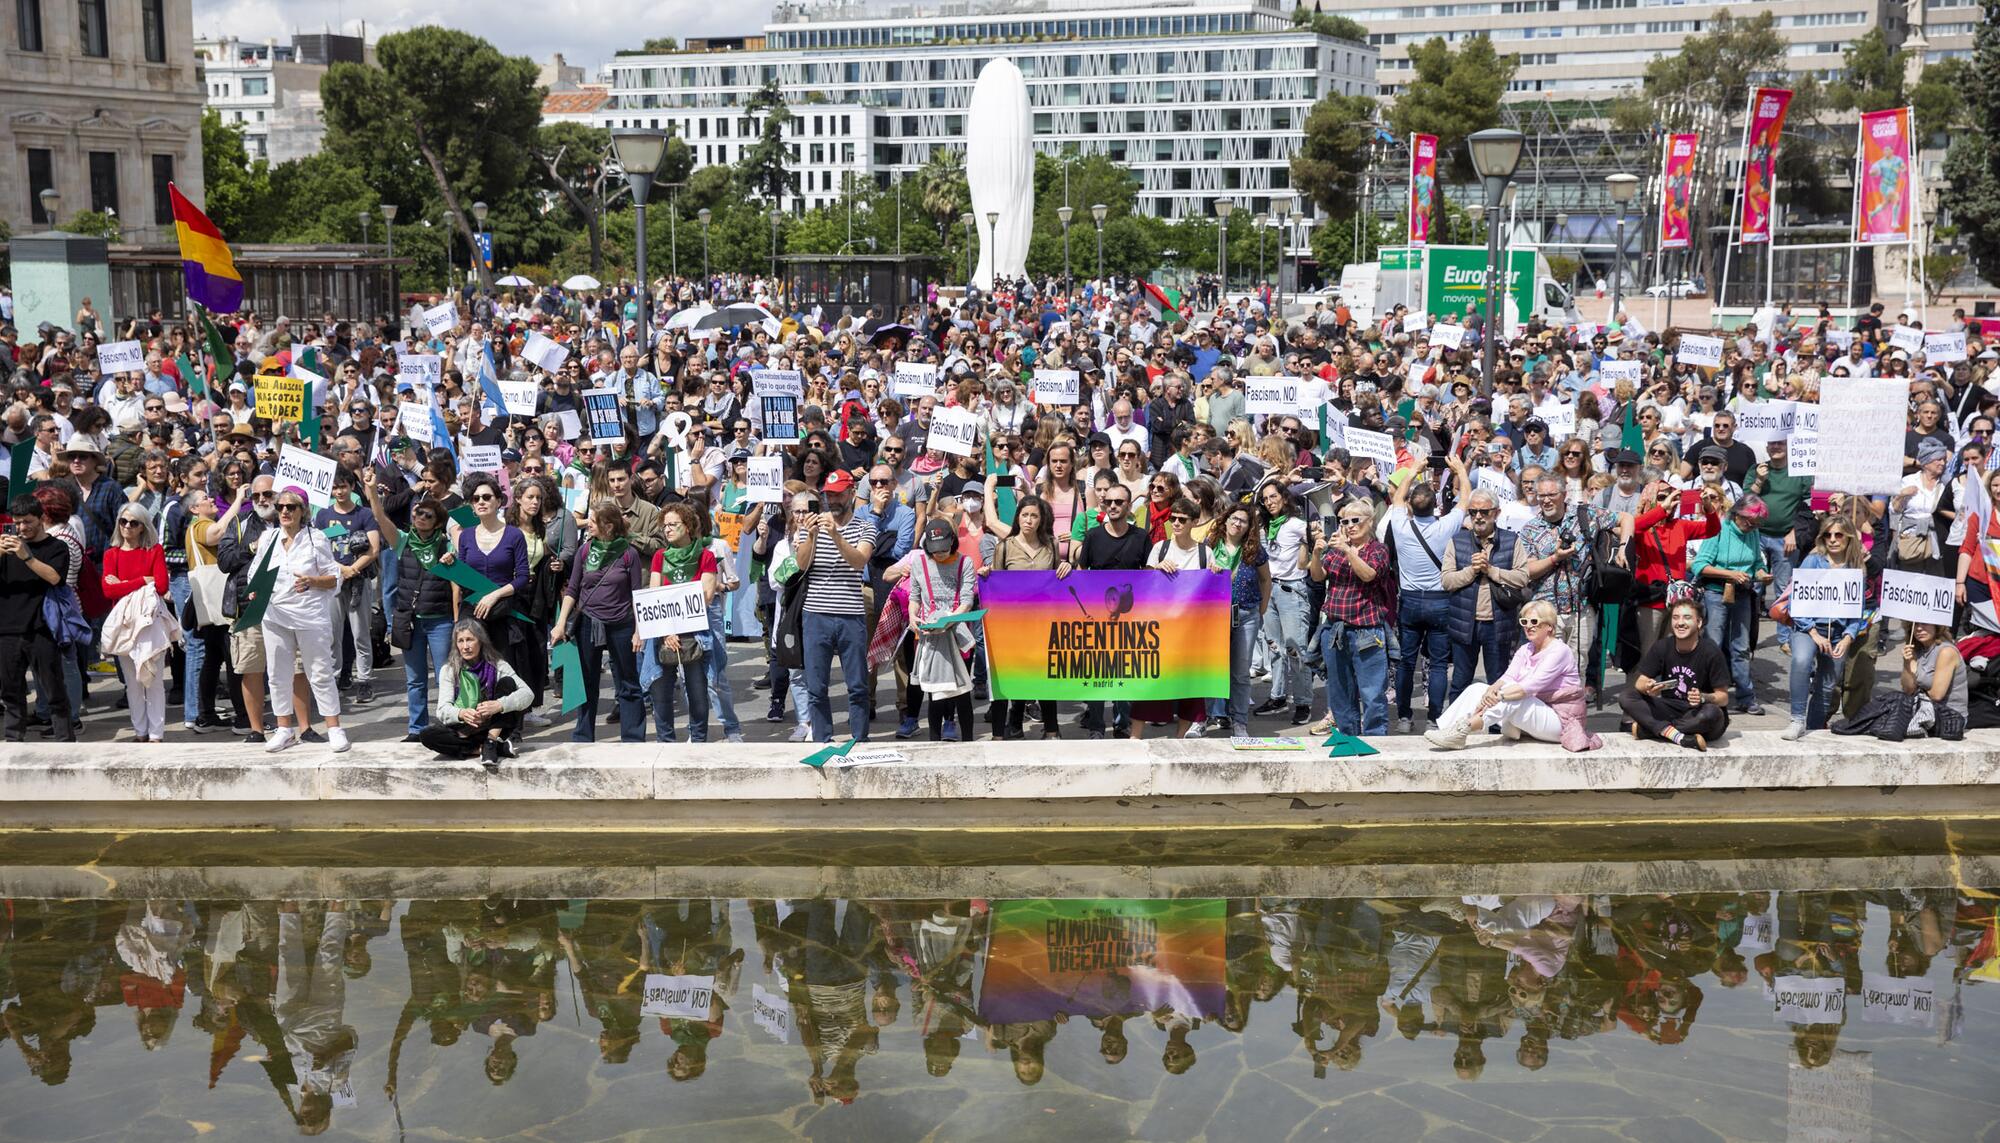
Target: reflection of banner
{"x":1767,"y":122}
{"x":1096,"y":635}
{"x":1885,"y":176}
{"x":1423,"y":187}
{"x":1677,"y":193}
{"x":1103,"y":958}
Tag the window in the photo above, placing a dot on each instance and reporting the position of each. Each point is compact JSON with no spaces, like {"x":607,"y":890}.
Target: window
{"x":28,"y":15}
{"x":256,"y":85}
{"x":91,"y":33}
{"x":153,"y":29}
{"x":41,"y":176}
{"x":104,"y":181}
{"x":163,"y":203}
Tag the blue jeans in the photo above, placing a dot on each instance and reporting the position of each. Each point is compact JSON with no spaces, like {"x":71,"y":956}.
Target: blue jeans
{"x":193,"y":652}
{"x":1814,"y":673}
{"x":1780,"y":564}
{"x":720,"y":698}
{"x":1245,"y":628}
{"x":826,"y":636}
{"x":662,"y":676}
{"x":1357,"y":677}
{"x":1289,"y":623}
{"x":1490,"y":638}
{"x":593,"y":640}
{"x":1728,"y":627}
{"x":430,"y":644}
{"x":1422,"y":618}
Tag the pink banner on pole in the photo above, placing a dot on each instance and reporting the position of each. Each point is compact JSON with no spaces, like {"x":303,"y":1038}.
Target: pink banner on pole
{"x":1767,"y":122}
{"x":1677,"y":193}
{"x":1885,"y":176}
{"x":1423,"y":187}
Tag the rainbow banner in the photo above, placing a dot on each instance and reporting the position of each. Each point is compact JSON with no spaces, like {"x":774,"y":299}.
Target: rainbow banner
{"x":1760,"y":168}
{"x":1123,"y":635}
{"x":211,"y":274}
{"x":1103,"y":958}
{"x":1677,"y":193}
{"x":1885,"y":176}
{"x":1423,"y":187}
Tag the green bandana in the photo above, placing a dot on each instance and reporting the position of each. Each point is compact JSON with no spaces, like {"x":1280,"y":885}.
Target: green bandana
{"x":602,"y":553}
{"x":426,"y":551}
{"x":468,"y":690}
{"x":679,"y":564}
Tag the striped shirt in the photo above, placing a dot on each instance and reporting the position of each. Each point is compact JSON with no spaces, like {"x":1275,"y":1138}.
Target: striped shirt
{"x":833,"y":586}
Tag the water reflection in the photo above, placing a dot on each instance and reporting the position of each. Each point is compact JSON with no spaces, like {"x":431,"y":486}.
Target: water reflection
{"x":498,"y":1016}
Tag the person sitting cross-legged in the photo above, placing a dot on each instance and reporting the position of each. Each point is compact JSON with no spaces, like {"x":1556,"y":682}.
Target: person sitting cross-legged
{"x":1681,"y":692}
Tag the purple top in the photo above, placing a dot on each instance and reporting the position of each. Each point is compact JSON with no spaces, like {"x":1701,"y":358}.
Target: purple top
{"x":1545,"y":675}
{"x":506,"y":563}
{"x":606,"y":594}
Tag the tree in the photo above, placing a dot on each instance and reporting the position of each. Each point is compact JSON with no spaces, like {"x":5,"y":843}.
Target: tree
{"x":656,"y":46}
{"x":942,"y":188}
{"x":1452,"y":95}
{"x":1873,"y":77}
{"x":1972,"y":166}
{"x":1328,"y":24}
{"x":1938,"y":99}
{"x":96,"y":223}
{"x":1339,"y":131}
{"x":322,"y":196}
{"x":441,"y":103}
{"x":237,"y":191}
{"x":766,"y":164}
{"x":575,"y":162}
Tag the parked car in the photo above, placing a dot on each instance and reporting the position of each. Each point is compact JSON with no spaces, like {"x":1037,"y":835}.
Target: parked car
{"x":1676,"y":289}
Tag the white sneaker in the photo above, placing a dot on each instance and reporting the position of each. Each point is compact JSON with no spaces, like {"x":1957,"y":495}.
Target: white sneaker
{"x":284,"y":738}
{"x":736,"y":738}
{"x":802,"y":733}
{"x":1402,"y":726}
{"x":536,"y":718}
{"x":1197,"y":729}
{"x":1446,"y":739}
{"x":337,"y":738}
{"x":1794,"y":732}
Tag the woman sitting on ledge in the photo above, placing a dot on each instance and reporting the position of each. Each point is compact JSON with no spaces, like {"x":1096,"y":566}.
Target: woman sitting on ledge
{"x":480,"y":701}
{"x":1541,"y":694}
{"x":1931,"y":698}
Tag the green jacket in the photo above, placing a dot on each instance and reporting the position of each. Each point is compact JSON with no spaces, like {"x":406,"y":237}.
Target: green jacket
{"x":1731,"y":549}
{"x":1783,"y":494}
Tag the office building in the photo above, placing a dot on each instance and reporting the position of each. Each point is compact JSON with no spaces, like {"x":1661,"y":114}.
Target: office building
{"x":271,"y":90}
{"x":1200,"y":99}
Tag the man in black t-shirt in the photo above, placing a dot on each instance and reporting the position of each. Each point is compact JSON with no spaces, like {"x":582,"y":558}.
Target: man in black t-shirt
{"x":1113,"y":545}
{"x":1682,"y":692}
{"x":31,"y":562}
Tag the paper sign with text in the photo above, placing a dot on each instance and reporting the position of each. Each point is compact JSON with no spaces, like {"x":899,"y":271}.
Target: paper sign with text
{"x":307,"y":470}
{"x":765,"y":481}
{"x":676,"y":609}
{"x":1828,"y":593}
{"x":1366,"y":444}
{"x":1889,"y":999}
{"x":1908,"y":338}
{"x":954,"y":431}
{"x":1270,"y":396}
{"x":1698,"y":350}
{"x":413,"y":420}
{"x":120,"y":357}
{"x":1448,"y":335}
{"x":550,"y":355}
{"x":1412,"y":322}
{"x":422,"y":370}
{"x":1058,"y":387}
{"x":771,"y":1012}
{"x":1919,"y":598}
{"x":602,"y":407}
{"x":1861,"y":434}
{"x":778,"y":382}
{"x":1758,"y":422}
{"x":1560,"y":418}
{"x":1802,"y":455}
{"x":1809,"y":999}
{"x":1615,"y":371}
{"x":520,"y":397}
{"x":480,"y":458}
{"x":280,"y":398}
{"x":678,"y":997}
{"x":913,"y":379}
{"x":1944,"y":348}
{"x":441,"y":319}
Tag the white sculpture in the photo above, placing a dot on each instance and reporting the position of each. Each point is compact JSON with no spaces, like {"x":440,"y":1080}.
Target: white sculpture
{"x":1000,"y":171}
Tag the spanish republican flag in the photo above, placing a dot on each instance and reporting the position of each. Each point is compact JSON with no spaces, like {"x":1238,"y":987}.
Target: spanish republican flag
{"x":211,"y":274}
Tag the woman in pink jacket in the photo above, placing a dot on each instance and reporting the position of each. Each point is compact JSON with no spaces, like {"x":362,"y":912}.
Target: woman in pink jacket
{"x":1540,"y":695}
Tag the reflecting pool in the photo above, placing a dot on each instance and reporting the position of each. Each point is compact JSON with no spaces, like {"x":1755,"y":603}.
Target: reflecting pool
{"x":1840,"y":983}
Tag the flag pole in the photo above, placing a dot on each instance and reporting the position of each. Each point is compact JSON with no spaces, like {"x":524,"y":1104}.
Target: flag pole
{"x":1733,"y":230}
{"x":1916,"y":222}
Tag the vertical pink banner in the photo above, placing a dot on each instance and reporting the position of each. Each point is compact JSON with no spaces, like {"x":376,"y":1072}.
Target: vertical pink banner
{"x":1886,"y":186}
{"x":1767,"y":122}
{"x":1677,"y":193}
{"x":1423,"y":187}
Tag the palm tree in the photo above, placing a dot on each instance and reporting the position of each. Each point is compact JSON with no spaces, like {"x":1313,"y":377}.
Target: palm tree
{"x":942,"y":188}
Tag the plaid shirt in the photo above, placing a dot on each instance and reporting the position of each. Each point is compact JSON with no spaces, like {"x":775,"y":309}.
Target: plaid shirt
{"x":1351,"y":601}
{"x":1563,"y":586}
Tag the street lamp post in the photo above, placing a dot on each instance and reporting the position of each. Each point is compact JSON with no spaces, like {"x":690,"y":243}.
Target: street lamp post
{"x":993,"y":236}
{"x":479,"y":245}
{"x":704,"y":214}
{"x":639,"y":153}
{"x":1222,"y":208}
{"x":389,"y":233}
{"x":966,"y":220}
{"x":1496,"y":155}
{"x":364,"y":218}
{"x":1097,"y":213}
{"x":1261,"y":220}
{"x":1298,"y":217}
{"x":1623,"y":187}
{"x":51,"y":205}
{"x":1064,"y":214}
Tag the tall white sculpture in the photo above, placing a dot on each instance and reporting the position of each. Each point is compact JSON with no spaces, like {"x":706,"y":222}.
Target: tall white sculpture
{"x":1000,"y":171}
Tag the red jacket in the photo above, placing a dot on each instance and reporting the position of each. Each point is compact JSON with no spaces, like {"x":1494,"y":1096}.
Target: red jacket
{"x":1662,"y":543}
{"x":132,"y":567}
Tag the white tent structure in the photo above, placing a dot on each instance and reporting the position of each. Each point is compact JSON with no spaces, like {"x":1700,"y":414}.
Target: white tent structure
{"x":1000,"y":171}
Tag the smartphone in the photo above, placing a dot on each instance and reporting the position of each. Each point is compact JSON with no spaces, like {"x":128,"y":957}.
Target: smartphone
{"x":1313,"y":472}
{"x":1691,"y":502}
{"x":1439,"y":461}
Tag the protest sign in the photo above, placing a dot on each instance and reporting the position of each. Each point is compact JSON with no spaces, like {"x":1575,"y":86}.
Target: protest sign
{"x":1560,"y":418}
{"x":678,"y":997}
{"x":778,"y":382}
{"x":954,"y":431}
{"x":1908,"y":338}
{"x":550,"y":355}
{"x":1889,"y":999}
{"x":1132,"y":634}
{"x":309,"y":471}
{"x":1698,"y":350}
{"x":1412,"y":322}
{"x":913,"y":379}
{"x":780,"y":414}
{"x":1270,"y":396}
{"x":1448,"y":335}
{"x":520,"y":397}
{"x":281,"y":398}
{"x":413,"y":420}
{"x":441,"y":319}
{"x":1366,"y":444}
{"x":480,"y":458}
{"x":1760,"y":422}
{"x":1838,"y":338}
{"x":423,"y":371}
{"x":601,"y":405}
{"x":1861,"y":441}
{"x":1916,"y":597}
{"x":572,"y":424}
{"x":675,"y":609}
{"x":1102,"y":957}
{"x":1828,"y":593}
{"x":1615,"y":371}
{"x":765,"y":482}
{"x":771,"y":1012}
{"x":1809,"y":999}
{"x":1332,"y":425}
{"x":120,"y":357}
{"x":1805,"y":418}
{"x":1058,"y":387}
{"x":1944,"y":348}
{"x":1802,"y":457}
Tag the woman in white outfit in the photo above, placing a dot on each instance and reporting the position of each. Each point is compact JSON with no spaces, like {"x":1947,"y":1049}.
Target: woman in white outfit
{"x":1539,"y":696}
{"x":298,"y":623}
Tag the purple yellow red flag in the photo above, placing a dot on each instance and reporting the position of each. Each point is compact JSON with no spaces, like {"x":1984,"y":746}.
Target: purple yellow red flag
{"x":211,"y":275}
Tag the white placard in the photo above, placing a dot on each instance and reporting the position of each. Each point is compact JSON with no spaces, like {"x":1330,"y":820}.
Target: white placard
{"x":778,"y":383}
{"x":1561,"y":420}
{"x":678,"y":997}
{"x":1908,"y":338}
{"x":954,"y":431}
{"x":771,"y":1012}
{"x":1889,"y":999}
{"x":1448,"y":335}
{"x":307,"y":470}
{"x":441,"y":319}
{"x":1840,"y":338}
{"x":1615,"y":371}
{"x":1698,"y":350}
{"x":1805,"y":418}
{"x":120,"y":357}
{"x":1058,"y":387}
{"x":1759,"y":933}
{"x":765,"y":482}
{"x":520,"y":397}
{"x":1270,"y":396}
{"x":423,"y":371}
{"x":413,"y":420}
{"x":1760,"y":422}
{"x":572,"y":424}
{"x":480,"y":458}
{"x":1809,"y":999}
{"x":676,"y":609}
{"x":1919,"y":598}
{"x":1828,"y":593}
{"x":913,"y":379}
{"x":1802,"y":454}
{"x":1861,"y":441}
{"x":550,"y":355}
{"x":1366,"y":444}
{"x":1412,"y":322}
{"x":1944,"y":348}
{"x":1332,"y":425}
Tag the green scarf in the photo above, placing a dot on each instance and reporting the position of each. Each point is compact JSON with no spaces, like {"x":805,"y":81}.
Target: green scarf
{"x":468,"y":690}
{"x":426,"y":551}
{"x":679,"y":564}
{"x":1227,"y":558}
{"x":602,"y":553}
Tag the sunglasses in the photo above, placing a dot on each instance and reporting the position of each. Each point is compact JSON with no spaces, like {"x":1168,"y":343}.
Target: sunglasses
{"x":1354,"y":521}
{"x":1530,"y":624}
{"x":1114,"y":502}
{"x":290,"y":506}
{"x":1180,"y":519}
{"x":482,"y":497}
{"x":129,"y":523}
{"x":1479,"y":511}
{"x":260,"y":497}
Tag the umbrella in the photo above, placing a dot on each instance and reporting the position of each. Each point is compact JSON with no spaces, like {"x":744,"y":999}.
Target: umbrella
{"x":512,"y":280}
{"x":729,"y":316}
{"x":685,"y":319}
{"x":893,"y":335}
{"x":581,"y":282}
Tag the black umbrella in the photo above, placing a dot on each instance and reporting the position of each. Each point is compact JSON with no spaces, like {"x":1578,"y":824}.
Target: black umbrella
{"x":729,"y":317}
{"x":893,"y":335}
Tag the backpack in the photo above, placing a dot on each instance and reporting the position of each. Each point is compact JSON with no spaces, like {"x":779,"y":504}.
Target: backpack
{"x":788,"y":634}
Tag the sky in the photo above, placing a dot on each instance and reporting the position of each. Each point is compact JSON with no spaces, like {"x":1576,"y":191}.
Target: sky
{"x":586,"y":32}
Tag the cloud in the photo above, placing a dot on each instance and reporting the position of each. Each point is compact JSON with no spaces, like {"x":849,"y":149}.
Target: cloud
{"x":585,"y":32}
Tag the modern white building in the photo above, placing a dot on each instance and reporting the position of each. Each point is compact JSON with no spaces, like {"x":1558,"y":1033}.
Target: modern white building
{"x":271,"y":90}
{"x":1202,"y":98}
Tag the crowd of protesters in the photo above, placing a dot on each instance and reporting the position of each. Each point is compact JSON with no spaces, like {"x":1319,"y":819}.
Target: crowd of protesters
{"x":1519,"y":570}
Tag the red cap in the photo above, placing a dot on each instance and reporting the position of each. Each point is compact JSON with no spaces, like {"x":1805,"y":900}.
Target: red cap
{"x":840,"y":480}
